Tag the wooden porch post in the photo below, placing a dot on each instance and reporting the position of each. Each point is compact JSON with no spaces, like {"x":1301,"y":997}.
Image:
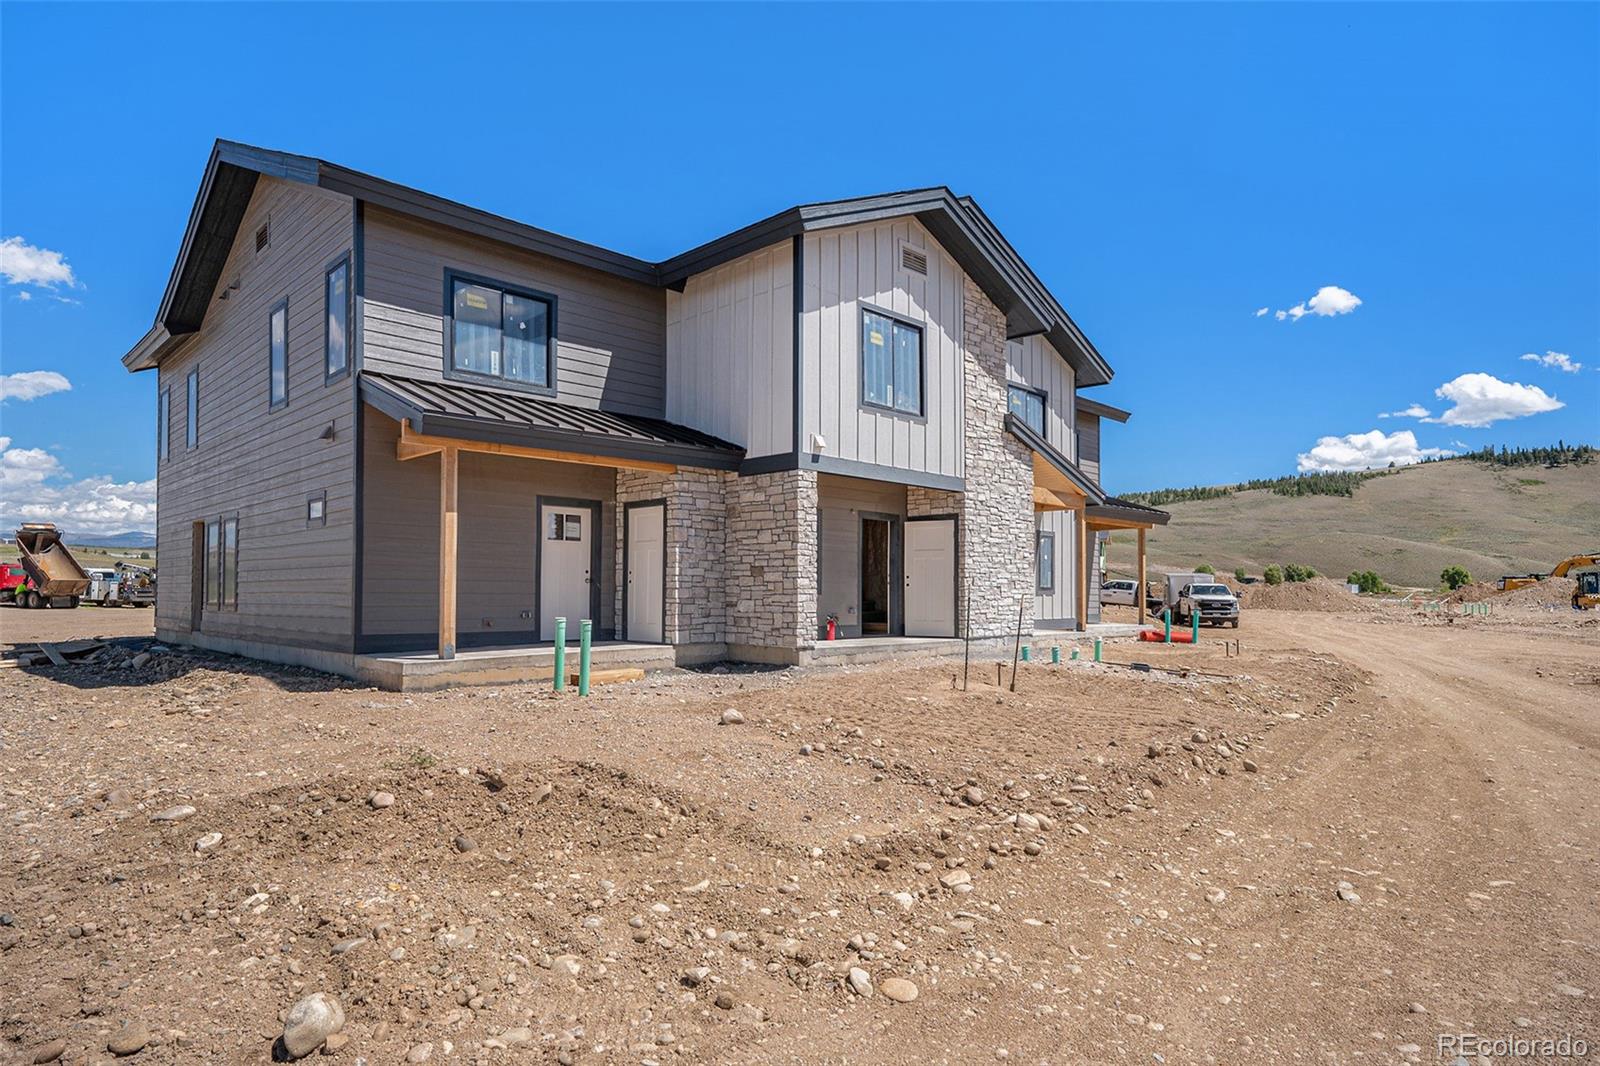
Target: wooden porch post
{"x":447,"y":552}
{"x":1083,"y":569}
{"x":1140,"y":593}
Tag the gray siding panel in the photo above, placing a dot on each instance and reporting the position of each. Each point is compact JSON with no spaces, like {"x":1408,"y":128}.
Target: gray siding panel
{"x":295,"y":582}
{"x":611,"y":334}
{"x":1061,"y":601}
{"x":852,"y":266}
{"x":840,"y":502}
{"x":1089,"y":441}
{"x":497,"y":530}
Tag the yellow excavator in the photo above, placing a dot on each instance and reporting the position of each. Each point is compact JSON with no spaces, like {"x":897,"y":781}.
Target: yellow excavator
{"x":1584,"y":569}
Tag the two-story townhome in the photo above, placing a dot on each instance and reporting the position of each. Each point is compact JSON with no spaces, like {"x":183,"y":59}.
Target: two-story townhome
{"x":396,"y":432}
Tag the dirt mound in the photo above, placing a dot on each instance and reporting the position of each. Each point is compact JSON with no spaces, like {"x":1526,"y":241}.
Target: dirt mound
{"x":1551,"y":592}
{"x":1318,"y":594}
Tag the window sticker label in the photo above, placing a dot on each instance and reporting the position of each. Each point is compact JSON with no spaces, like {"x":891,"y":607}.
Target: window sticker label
{"x":574,"y":527}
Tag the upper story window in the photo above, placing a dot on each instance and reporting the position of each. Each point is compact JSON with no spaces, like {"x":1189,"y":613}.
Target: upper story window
{"x":1028,"y":405}
{"x":891,"y":363}
{"x":163,"y":424}
{"x":278,"y":354}
{"x":336,"y":288}
{"x":502,"y":333}
{"x":191,"y":430}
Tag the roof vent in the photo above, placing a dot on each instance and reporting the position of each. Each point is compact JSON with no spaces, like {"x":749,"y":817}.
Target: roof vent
{"x":913,"y":259}
{"x":264,"y":235}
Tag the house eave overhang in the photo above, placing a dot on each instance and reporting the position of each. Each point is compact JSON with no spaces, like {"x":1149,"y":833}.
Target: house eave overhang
{"x":1048,"y":452}
{"x":1114,"y":510}
{"x":1101,"y":410}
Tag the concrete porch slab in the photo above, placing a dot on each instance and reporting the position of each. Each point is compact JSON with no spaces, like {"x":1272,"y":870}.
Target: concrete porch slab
{"x":421,"y":671}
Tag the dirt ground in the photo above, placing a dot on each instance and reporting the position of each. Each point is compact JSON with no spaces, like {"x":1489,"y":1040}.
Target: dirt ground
{"x":1361,"y":832}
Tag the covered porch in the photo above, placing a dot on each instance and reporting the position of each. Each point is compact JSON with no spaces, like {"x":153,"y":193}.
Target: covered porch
{"x":1118,"y":514}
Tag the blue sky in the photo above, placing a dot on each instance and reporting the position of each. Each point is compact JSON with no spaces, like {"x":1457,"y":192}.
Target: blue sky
{"x":1167,"y":170}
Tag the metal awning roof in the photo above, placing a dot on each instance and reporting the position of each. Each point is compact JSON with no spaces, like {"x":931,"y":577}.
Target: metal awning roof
{"x":453,"y":409}
{"x":1116,"y":509}
{"x":1047,"y":451}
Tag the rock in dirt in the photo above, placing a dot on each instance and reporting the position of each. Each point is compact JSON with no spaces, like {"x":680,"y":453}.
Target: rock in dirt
{"x":732,"y":717}
{"x":860,"y":982}
{"x":130,"y":1039}
{"x":207,"y":842}
{"x":465,"y":843}
{"x":380,"y":800}
{"x":420,"y":1053}
{"x":310,"y":1022}
{"x":955,"y":878}
{"x":1347,"y":892}
{"x":49,"y":1052}
{"x":899,"y":989}
{"x":174,"y":814}
{"x":973,"y":796}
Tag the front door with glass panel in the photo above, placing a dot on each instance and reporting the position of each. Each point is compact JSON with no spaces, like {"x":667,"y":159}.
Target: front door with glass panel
{"x":564,"y":567}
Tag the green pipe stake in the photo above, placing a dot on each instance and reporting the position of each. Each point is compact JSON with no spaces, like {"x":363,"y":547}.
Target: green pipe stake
{"x":585,"y":631}
{"x":1194,"y":636}
{"x":561,"y":655}
{"x":1166,"y":617}
{"x":1096,"y":649}
{"x":1055,"y":653}
{"x":1027,"y":653}
{"x":1074,"y":654}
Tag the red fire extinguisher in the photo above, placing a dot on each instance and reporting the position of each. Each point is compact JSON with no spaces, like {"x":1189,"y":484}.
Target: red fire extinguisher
{"x":833,"y":627}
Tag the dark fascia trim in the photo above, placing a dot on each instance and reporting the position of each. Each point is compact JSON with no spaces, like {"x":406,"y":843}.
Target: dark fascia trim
{"x":554,"y":439}
{"x":358,"y":421}
{"x":1150,"y":517}
{"x":832,"y":464}
{"x":1101,"y":410}
{"x":798,"y":287}
{"x":1031,"y":437}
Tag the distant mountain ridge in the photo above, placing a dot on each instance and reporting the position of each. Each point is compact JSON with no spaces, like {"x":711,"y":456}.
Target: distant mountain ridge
{"x":131,"y":539}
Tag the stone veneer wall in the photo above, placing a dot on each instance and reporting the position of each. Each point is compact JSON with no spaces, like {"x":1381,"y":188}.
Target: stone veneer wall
{"x":997,"y":518}
{"x":771,"y":560}
{"x":696,"y":538}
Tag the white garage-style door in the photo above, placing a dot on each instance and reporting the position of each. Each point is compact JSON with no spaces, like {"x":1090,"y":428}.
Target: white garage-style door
{"x":930,"y":577}
{"x":646,"y":572}
{"x":565,"y":556}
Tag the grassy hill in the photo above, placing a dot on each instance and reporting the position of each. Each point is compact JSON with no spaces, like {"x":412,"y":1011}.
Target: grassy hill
{"x":1407,"y":526}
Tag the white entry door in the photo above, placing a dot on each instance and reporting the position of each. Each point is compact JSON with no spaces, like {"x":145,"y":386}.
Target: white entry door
{"x":564,"y":561}
{"x":930,"y":562}
{"x":647,"y":560}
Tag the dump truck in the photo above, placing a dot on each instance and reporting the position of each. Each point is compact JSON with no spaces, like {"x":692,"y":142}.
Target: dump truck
{"x":54,"y":577}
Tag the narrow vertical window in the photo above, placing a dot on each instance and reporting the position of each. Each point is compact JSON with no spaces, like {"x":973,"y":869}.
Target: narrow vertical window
{"x":278,"y":354}
{"x":1046,"y":555}
{"x":213,"y":562}
{"x":191,"y":429}
{"x":891,"y":363}
{"x":338,"y":327}
{"x":163,"y":424}
{"x":229,"y":590}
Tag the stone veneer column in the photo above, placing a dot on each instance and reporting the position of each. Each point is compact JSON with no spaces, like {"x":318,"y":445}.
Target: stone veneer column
{"x":771,"y":563}
{"x":696,"y":538}
{"x":997,"y":519}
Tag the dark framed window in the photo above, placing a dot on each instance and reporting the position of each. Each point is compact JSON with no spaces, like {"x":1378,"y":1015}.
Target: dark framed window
{"x":228,"y":585}
{"x":501,"y":333}
{"x":1045,"y":555}
{"x":891,"y":363}
{"x":1028,"y":405}
{"x":317,"y":509}
{"x":336,"y":328}
{"x":278,"y":355}
{"x":191,"y":429}
{"x":163,"y":424}
{"x":213,"y":562}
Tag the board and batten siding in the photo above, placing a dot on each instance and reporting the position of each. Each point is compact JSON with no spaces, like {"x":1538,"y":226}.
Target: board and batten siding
{"x":1089,"y":443}
{"x":1033,"y":362}
{"x":496,"y":531}
{"x":840,"y":502}
{"x":1060,"y":604}
{"x":295,"y":580}
{"x":730,"y":351}
{"x":843,"y":270}
{"x":610,"y":333}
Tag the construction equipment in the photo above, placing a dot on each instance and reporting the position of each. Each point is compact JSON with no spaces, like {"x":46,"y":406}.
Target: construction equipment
{"x":54,"y":577}
{"x":136,"y":585}
{"x":1585,"y":570}
{"x":1511,"y":583}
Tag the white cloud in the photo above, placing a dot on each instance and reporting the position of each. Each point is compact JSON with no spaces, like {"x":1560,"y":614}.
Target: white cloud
{"x":33,"y":488}
{"x":1416,"y":410}
{"x":32,"y":384}
{"x":1558,"y":360}
{"x":1329,"y":300}
{"x":1483,"y":399}
{"x":1366,"y":451}
{"x":1261,"y":311}
{"x":23,"y":264}
{"x":24,"y":295}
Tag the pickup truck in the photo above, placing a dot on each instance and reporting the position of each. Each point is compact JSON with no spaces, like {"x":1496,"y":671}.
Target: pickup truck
{"x":1201,"y":595}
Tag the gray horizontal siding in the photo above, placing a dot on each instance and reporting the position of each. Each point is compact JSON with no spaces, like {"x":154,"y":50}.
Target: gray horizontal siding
{"x":611,"y":334}
{"x":1089,"y":445}
{"x":840,"y":501}
{"x":295,"y":581}
{"x":497,"y":531}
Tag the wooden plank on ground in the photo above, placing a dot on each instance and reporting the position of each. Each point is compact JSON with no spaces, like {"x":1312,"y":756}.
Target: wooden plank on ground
{"x":55,"y":656}
{"x":609,"y":677}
